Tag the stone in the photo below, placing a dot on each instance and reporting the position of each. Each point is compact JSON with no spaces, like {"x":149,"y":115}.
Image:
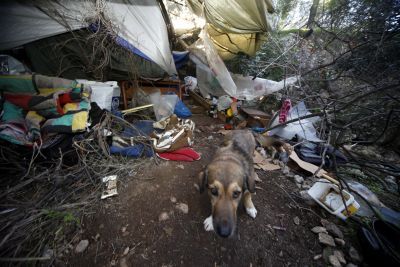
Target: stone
{"x":123,"y":229}
{"x":210,"y":137}
{"x":184,"y":208}
{"x":173,"y":199}
{"x":354,"y":255}
{"x":126,"y":251}
{"x":281,"y":254}
{"x":334,"y":230}
{"x":326,"y":253}
{"x":298,"y":179}
{"x":326,"y":239}
{"x":305,"y":186}
{"x":180,"y":166}
{"x":296,"y":220}
{"x":82,"y":246}
{"x":113,"y":263}
{"x":340,"y":242}
{"x":163,"y":216}
{"x":97,"y":237}
{"x":319,"y":229}
{"x":285,"y":170}
{"x":340,"y":256}
{"x":307,"y":198}
{"x":317,"y":257}
{"x":325,"y":222}
{"x":334,"y":261}
{"x":298,"y":186}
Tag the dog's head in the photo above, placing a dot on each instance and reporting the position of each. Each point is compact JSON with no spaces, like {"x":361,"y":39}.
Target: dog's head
{"x":226,"y":183}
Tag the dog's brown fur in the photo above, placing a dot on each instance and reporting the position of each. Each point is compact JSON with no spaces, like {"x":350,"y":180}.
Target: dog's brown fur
{"x":229,"y":178}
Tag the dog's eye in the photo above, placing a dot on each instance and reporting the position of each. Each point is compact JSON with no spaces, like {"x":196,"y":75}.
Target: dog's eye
{"x":214,"y":191}
{"x":236,"y":194}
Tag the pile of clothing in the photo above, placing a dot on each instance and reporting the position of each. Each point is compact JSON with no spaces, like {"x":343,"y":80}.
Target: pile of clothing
{"x":37,"y":107}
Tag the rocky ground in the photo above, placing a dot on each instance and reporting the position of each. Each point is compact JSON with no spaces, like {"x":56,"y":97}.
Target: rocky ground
{"x":157,"y":220}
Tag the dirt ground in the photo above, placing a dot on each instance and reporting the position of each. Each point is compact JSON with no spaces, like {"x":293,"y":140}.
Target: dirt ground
{"x":131,"y":219}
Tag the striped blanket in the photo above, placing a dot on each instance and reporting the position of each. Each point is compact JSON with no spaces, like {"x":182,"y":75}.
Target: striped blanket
{"x":37,"y":106}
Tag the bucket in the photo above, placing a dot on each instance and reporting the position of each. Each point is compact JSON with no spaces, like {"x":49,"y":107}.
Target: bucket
{"x":328,"y":196}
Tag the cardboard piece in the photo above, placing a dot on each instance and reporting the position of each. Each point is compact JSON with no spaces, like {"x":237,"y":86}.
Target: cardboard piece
{"x":311,"y":167}
{"x":262,"y":163}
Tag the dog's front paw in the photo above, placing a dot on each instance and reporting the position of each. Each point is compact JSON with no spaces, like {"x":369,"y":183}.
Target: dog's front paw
{"x":252,"y":212}
{"x":208,"y":224}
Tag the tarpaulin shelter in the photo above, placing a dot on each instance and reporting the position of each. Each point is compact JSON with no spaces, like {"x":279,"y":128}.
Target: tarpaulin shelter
{"x":43,"y":27}
{"x":235,"y":25}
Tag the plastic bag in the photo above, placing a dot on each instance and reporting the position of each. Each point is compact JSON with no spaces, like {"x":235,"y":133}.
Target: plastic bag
{"x":218,"y":66}
{"x":190,"y":83}
{"x":181,"y":110}
{"x":164,"y":105}
{"x":302,"y":128}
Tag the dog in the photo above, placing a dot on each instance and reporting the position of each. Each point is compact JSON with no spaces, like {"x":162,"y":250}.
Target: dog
{"x":229,"y":178}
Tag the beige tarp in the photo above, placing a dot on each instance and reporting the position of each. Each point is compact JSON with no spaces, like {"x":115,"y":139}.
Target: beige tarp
{"x":235,"y":25}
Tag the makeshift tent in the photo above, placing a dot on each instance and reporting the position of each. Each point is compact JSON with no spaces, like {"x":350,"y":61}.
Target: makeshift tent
{"x":235,"y":25}
{"x":136,"y":25}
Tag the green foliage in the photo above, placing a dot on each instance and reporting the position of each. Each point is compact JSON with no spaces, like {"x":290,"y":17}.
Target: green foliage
{"x":65,"y":217}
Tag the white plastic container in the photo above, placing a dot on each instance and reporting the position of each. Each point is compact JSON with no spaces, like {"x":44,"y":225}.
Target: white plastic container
{"x":116,"y":95}
{"x":106,"y":95}
{"x":328,"y":196}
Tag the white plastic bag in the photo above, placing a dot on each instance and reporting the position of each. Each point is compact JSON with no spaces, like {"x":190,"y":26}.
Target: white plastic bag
{"x":218,"y":66}
{"x":303,"y":128}
{"x":164,"y":105}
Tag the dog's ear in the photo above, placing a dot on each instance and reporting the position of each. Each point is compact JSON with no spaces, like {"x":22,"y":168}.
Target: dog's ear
{"x":251,"y":183}
{"x":203,"y":180}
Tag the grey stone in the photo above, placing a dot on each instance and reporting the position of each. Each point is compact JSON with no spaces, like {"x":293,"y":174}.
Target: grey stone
{"x":183,"y":207}
{"x":285,"y":170}
{"x":319,"y":229}
{"x":334,"y":230}
{"x":326,"y":239}
{"x":296,"y":220}
{"x":298,"y":179}
{"x":126,"y":251}
{"x":82,"y":246}
{"x":305,"y":186}
{"x":317,"y":257}
{"x":326,"y":253}
{"x":340,"y":256}
{"x":163,"y":216}
{"x":307,"y":198}
{"x":325,"y":222}
{"x":354,"y":255}
{"x":173,"y":199}
{"x":180,"y":166}
{"x":334,"y":261}
{"x":340,"y":242}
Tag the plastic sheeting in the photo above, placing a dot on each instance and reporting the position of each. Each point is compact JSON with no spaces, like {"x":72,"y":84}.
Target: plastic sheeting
{"x":235,"y":25}
{"x":139,"y":22}
{"x":230,"y":44}
{"x":214,"y":78}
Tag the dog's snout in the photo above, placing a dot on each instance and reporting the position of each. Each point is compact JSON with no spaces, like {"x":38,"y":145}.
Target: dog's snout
{"x":224,"y":229}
